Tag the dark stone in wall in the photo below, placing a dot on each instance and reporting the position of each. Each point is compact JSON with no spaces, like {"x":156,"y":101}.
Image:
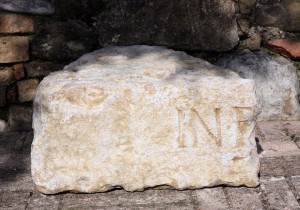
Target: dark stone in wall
{"x":37,"y":7}
{"x":80,"y":9}
{"x":184,"y":24}
{"x":42,"y":69}
{"x":284,"y":14}
{"x":64,"y":41}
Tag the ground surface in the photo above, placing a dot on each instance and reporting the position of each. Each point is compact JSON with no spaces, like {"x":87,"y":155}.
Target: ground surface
{"x":278,"y":145}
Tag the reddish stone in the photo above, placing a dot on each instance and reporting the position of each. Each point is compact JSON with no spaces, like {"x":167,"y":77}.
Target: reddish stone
{"x":19,"y":71}
{"x":288,"y":48}
{"x":12,"y":23}
{"x":14,"y":49}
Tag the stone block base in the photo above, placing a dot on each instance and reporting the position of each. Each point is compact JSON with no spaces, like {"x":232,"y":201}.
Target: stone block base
{"x":138,"y":117}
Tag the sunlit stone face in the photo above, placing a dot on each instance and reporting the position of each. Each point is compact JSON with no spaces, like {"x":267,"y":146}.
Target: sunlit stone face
{"x":140,"y":116}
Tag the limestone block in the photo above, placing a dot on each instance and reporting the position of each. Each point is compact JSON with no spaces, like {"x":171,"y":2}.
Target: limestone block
{"x":138,"y":117}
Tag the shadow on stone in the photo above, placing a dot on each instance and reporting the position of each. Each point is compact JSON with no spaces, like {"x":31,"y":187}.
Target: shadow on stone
{"x":14,"y":158}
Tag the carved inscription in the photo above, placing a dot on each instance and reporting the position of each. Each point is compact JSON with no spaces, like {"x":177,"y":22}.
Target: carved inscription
{"x":195,"y":125}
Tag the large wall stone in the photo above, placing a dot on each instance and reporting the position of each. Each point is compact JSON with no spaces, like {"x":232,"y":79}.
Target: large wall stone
{"x":140,"y":116}
{"x":184,"y":24}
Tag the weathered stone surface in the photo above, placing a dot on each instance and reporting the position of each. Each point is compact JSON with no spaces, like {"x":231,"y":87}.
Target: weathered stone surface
{"x":283,"y":14}
{"x":12,"y":23}
{"x":38,"y":7}
{"x":42,"y":69}
{"x":14,"y":49}
{"x":191,"y":25}
{"x":20,"y":118}
{"x":289,"y":48}
{"x":27,"y":89}
{"x":6,"y":76}
{"x":133,"y":116}
{"x":2,"y":96}
{"x":64,"y":41}
{"x":19,"y":72}
{"x":276,"y":82}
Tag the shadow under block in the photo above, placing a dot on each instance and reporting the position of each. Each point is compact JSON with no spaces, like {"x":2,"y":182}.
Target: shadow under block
{"x":140,"y":116}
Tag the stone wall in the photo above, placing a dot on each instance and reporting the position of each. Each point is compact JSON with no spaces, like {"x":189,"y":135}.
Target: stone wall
{"x":41,"y":36}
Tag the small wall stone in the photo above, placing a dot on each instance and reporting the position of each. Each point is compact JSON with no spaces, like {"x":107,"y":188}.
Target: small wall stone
{"x":11,"y":23}
{"x":27,"y":89}
{"x":19,"y":71}
{"x":6,"y":76}
{"x":20,"y":118}
{"x":14,"y":49}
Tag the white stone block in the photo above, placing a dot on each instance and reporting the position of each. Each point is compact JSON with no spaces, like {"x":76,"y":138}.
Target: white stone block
{"x":140,"y":116}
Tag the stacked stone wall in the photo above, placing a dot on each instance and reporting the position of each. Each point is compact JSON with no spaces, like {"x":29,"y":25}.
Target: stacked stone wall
{"x":38,"y":37}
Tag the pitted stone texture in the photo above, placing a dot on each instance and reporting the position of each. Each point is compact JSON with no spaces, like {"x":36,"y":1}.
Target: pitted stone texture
{"x":185,"y":24}
{"x":140,"y":116}
{"x":276,"y":82}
